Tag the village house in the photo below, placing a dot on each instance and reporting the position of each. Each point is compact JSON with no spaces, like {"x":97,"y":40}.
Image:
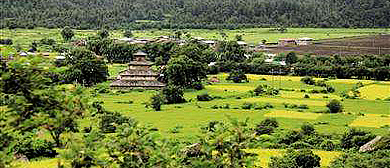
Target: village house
{"x":287,"y":41}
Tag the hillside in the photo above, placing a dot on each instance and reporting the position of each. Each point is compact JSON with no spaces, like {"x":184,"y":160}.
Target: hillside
{"x":84,"y":14}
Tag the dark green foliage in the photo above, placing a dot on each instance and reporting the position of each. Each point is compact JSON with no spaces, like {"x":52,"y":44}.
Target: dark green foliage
{"x":334,"y":106}
{"x":291,"y":58}
{"x":156,"y":102}
{"x":85,"y":68}
{"x":247,"y":106}
{"x":184,"y":72}
{"x":173,"y":94}
{"x":103,"y":33}
{"x":265,"y":90}
{"x":30,"y":147}
{"x":327,"y":145}
{"x":296,"y":158}
{"x":308,"y":129}
{"x":308,"y":80}
{"x":237,"y":76}
{"x":306,"y":96}
{"x":109,"y":121}
{"x":377,"y":159}
{"x":354,"y":138}
{"x":47,"y":41}
{"x":231,"y":51}
{"x":290,"y":137}
{"x":300,"y":145}
{"x":205,"y":14}
{"x":67,"y":33}
{"x":204,"y":97}
{"x":6,"y":41}
{"x":128,"y":33}
{"x":266,"y":126}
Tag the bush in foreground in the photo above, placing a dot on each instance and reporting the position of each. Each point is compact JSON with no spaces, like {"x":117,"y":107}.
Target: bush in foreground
{"x":334,"y":106}
{"x":296,"y":158}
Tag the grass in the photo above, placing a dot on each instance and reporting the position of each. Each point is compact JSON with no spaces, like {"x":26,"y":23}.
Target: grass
{"x":292,"y":114}
{"x":264,"y":156}
{"x":193,"y":114}
{"x":371,"y":120}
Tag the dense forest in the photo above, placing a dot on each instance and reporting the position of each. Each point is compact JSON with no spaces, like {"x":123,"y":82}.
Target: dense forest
{"x":231,"y":14}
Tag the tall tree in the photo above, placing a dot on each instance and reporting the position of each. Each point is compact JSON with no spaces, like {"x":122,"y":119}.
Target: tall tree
{"x":84,"y":67}
{"x":67,"y":33}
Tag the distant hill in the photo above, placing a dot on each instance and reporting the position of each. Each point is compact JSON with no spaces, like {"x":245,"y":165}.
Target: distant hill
{"x":86,"y":14}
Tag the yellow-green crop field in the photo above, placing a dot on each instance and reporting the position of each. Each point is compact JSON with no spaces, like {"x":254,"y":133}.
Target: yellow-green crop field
{"x":292,"y":114}
{"x":264,"y":156}
{"x":375,"y":91}
{"x":371,"y":120}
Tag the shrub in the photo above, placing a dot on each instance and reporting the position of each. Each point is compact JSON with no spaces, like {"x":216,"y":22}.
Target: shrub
{"x":266,"y":90}
{"x":6,"y":41}
{"x":32,"y":148}
{"x":173,"y":94}
{"x":247,"y":106}
{"x":327,"y":145}
{"x":204,"y":97}
{"x":290,"y":137}
{"x":306,"y":96}
{"x":303,"y":106}
{"x":307,"y":129}
{"x":334,"y":106}
{"x":47,"y":41}
{"x":308,"y":80}
{"x":301,"y":145}
{"x":266,"y":126}
{"x":156,"y":102}
{"x":330,"y":89}
{"x":355,"y":138}
{"x":296,"y":158}
{"x":110,"y":120}
{"x":237,"y":76}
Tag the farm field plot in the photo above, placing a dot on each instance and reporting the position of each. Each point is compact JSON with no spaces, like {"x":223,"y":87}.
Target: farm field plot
{"x":193,"y":114}
{"x":24,"y":37}
{"x":292,"y":114}
{"x":375,"y":91}
{"x":375,"y":44}
{"x":372,"y":120}
{"x":264,"y":156}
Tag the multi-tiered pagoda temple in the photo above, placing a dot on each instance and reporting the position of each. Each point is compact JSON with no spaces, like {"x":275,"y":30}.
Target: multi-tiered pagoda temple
{"x":139,"y":75}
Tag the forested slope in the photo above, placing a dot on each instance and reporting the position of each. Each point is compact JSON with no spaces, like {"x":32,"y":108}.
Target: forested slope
{"x":194,"y":13}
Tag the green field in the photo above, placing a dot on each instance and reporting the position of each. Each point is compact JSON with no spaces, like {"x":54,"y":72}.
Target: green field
{"x":24,"y":37}
{"x":193,"y":114}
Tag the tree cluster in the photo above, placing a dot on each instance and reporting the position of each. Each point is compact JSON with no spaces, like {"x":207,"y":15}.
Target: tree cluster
{"x":187,"y":14}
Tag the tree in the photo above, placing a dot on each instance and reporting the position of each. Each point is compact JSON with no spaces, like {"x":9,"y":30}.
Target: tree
{"x":84,"y":67}
{"x":291,"y":58}
{"x":266,"y":126}
{"x":34,"y":100}
{"x":156,"y":102}
{"x":67,"y":33}
{"x":296,"y":158}
{"x":173,"y":94}
{"x":334,"y":106}
{"x":128,"y":33}
{"x":237,"y":76}
{"x":103,"y":33}
{"x":184,"y":72}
